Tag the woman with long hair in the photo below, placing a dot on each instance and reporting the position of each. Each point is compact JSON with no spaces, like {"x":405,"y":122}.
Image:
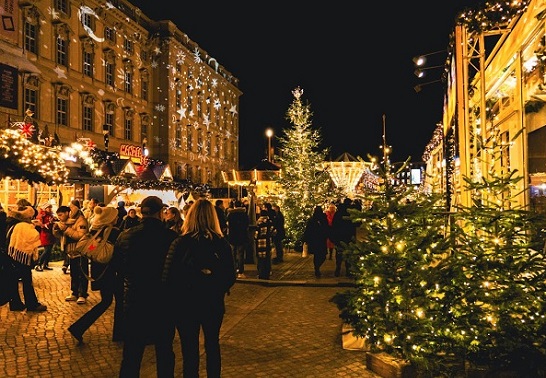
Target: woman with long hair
{"x":173,"y":219}
{"x":199,"y":272}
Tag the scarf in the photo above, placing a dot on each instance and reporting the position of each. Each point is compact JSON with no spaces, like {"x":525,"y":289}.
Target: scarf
{"x":24,"y":242}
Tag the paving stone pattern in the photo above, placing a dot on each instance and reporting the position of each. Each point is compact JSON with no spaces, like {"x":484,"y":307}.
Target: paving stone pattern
{"x":284,"y":327}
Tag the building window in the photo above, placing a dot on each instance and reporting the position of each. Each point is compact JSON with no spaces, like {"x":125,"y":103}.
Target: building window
{"x":189,"y":99}
{"x":62,"y":33}
{"x":208,"y":143}
{"x":199,"y":141}
{"x":109,"y":73}
{"x":62,"y":6}
{"x":178,"y":137}
{"x":62,"y":51}
{"x":144,"y":84}
{"x":87,"y":20}
{"x":128,"y":46}
{"x":62,"y":94}
{"x":87,"y":117}
{"x":109,"y":67}
{"x":31,"y":95}
{"x":128,"y":129}
{"x":109,"y":108}
{"x":217,"y":146}
{"x":199,"y":101}
{"x":128,"y":77}
{"x":110,"y":34}
{"x":189,"y":138}
{"x":128,"y":125}
{"x":88,"y":63}
{"x":32,"y":22}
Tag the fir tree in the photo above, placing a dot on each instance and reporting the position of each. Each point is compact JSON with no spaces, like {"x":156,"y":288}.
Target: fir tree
{"x":304,"y":182}
{"x":401,"y":231}
{"x":449,"y":298}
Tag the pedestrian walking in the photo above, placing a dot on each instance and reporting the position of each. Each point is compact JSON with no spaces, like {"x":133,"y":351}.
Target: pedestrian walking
{"x":146,"y":317}
{"x":104,"y":278}
{"x":221,"y":213}
{"x":238,"y":222}
{"x":199,"y":271}
{"x":278,"y":223}
{"x":70,"y":228}
{"x":315,"y":235}
{"x":343,"y":232}
{"x":264,"y":241}
{"x":330,"y":246}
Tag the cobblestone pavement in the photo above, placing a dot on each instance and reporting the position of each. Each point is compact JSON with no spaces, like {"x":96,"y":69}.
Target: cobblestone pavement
{"x":284,"y":327}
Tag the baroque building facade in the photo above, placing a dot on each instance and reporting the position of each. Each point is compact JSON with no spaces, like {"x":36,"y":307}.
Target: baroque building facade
{"x":105,"y":72}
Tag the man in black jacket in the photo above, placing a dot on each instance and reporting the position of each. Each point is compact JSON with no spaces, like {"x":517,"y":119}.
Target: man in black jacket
{"x":237,"y":220}
{"x":343,"y":232}
{"x":143,"y":249}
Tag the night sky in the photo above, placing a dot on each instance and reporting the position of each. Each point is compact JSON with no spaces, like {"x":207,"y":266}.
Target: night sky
{"x":354,"y":65}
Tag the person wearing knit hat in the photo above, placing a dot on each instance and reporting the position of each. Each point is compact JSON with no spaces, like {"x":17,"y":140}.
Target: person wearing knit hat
{"x":44,"y":224}
{"x":104,"y":216}
{"x":104,"y":277}
{"x":72,"y":226}
{"x":23,"y":242}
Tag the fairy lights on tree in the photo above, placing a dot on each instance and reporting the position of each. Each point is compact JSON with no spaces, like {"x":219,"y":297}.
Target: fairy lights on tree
{"x":303,"y":182}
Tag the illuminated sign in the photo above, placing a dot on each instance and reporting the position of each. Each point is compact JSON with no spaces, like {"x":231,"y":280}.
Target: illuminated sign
{"x":130,"y":151}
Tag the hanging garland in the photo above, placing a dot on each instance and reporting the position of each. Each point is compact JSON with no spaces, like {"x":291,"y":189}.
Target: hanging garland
{"x":25,"y":160}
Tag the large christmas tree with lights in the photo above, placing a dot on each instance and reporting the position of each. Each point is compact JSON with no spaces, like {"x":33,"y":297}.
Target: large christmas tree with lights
{"x":450,"y":292}
{"x":304,"y":183}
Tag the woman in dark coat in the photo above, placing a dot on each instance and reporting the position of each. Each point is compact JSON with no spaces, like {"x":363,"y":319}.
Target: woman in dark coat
{"x":316,"y":235}
{"x":199,"y":271}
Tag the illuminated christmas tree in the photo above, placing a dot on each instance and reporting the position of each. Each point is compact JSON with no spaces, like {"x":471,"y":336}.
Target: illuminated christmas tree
{"x":451,"y":292}
{"x":304,"y":183}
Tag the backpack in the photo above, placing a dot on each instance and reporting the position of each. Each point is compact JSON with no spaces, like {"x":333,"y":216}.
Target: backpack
{"x":198,"y":267}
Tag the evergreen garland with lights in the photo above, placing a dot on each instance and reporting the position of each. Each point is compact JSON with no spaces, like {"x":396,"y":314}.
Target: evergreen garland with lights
{"x":303,"y":182}
{"x":22,"y":159}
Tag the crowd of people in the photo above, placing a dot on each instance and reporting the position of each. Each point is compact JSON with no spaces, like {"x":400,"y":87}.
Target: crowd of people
{"x":195,"y":254}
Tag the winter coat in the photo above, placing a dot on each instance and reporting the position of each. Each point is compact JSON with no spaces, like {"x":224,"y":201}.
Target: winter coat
{"x":343,"y":229}
{"x":199,"y":271}
{"x":238,"y":223}
{"x":77,"y":227}
{"x":316,"y":233}
{"x":263,"y":235}
{"x":142,"y":250}
{"x":46,"y":227}
{"x":129,"y":222}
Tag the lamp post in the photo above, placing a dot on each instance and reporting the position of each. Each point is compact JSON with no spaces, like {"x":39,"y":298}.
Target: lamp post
{"x":105,"y":132}
{"x":269,"y":134}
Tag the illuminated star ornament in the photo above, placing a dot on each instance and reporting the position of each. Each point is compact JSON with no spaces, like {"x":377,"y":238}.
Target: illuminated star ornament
{"x":27,"y":130}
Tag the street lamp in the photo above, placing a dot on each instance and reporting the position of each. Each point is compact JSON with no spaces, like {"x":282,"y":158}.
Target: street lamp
{"x":269,"y":134}
{"x":105,"y":132}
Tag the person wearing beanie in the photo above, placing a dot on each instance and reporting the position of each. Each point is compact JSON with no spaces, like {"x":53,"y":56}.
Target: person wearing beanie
{"x":71,"y":227}
{"x":122,"y":212}
{"x":104,"y":278}
{"x":146,"y":320}
{"x":44,"y":223}
{"x":23,"y":243}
